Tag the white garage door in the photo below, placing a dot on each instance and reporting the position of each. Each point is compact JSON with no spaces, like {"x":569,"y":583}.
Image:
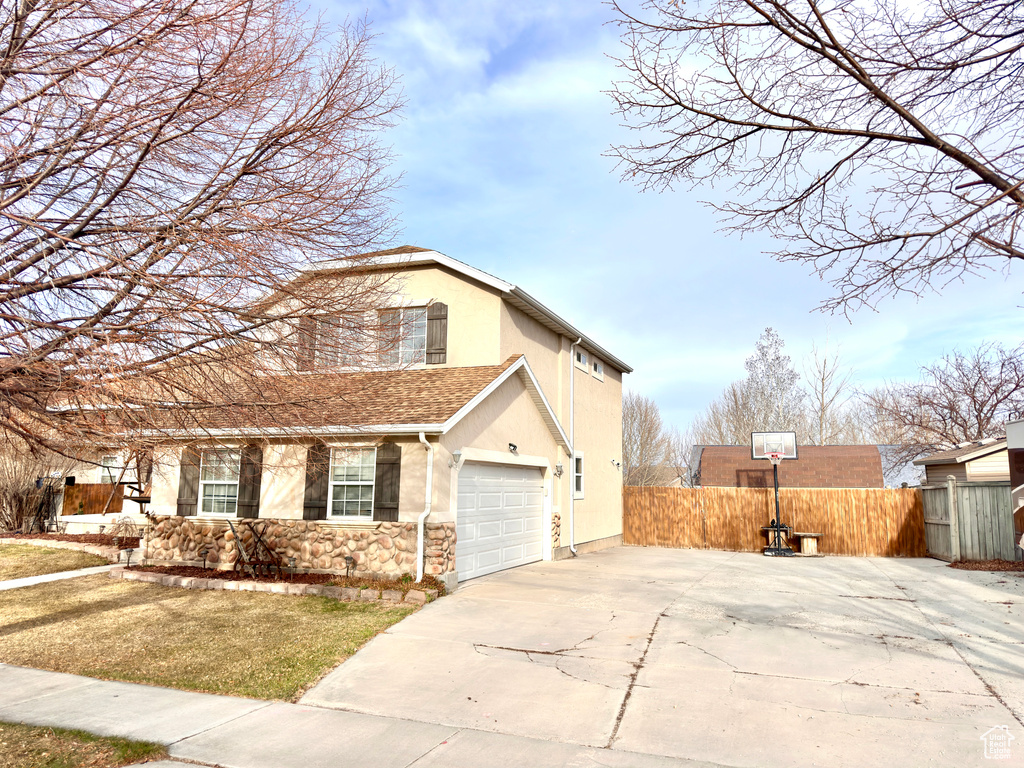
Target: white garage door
{"x":501,"y":513}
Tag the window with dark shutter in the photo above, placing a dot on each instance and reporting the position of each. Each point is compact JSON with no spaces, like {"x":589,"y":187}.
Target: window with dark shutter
{"x":387,"y":482}
{"x":188,"y":482}
{"x":437,"y":333}
{"x":318,"y":462}
{"x":249,"y":480}
{"x":306,"y":347}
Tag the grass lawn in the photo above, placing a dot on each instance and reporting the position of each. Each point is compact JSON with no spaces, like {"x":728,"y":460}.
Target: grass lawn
{"x":20,"y":560}
{"x":25,"y":746}
{"x":240,"y":643}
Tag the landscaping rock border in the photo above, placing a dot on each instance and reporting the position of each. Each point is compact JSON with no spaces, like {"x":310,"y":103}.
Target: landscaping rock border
{"x":348,"y":594}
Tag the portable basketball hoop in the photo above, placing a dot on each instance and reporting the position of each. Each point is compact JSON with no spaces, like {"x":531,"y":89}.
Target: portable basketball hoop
{"x":775,"y":446}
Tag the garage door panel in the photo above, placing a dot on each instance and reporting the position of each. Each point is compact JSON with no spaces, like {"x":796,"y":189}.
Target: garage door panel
{"x":500,"y":518}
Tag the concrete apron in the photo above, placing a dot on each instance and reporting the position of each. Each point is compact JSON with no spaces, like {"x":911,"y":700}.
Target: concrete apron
{"x":733,"y":659}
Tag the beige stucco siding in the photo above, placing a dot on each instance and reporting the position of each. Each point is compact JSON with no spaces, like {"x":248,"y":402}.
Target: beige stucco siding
{"x":598,"y":422}
{"x":164,"y":490}
{"x":544,"y":349}
{"x":507,"y":415}
{"x":598,"y":427}
{"x":473,"y":312}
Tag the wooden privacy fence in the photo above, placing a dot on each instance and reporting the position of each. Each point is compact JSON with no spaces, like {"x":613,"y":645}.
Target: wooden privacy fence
{"x":970,"y":521}
{"x":853,"y":521}
{"x":93,"y":497}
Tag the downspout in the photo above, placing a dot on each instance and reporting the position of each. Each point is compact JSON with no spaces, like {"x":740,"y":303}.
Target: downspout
{"x":572,"y":446}
{"x":426,"y":507}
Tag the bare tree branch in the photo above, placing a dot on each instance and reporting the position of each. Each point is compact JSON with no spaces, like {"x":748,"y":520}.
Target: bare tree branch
{"x":166,"y":167}
{"x":883,"y":140}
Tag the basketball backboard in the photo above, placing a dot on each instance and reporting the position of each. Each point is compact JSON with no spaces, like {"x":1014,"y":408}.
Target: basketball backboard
{"x":764,"y":443}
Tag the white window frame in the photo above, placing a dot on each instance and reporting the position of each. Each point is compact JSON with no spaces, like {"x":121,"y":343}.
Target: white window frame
{"x":580,"y":360}
{"x":331,"y":484}
{"x":203,"y":483}
{"x":597,"y":369}
{"x":579,"y":468}
{"x":402,"y":355}
{"x":109,"y":473}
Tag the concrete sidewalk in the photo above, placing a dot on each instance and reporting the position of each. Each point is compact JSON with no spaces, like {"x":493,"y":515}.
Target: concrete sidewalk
{"x":246,"y":733}
{"x":29,"y":581}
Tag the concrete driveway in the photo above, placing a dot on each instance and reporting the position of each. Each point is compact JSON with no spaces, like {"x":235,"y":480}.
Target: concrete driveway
{"x":729,"y":658}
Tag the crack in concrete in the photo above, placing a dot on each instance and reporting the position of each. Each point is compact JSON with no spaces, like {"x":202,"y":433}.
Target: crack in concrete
{"x":708,"y":653}
{"x":637,"y":666}
{"x":949,"y":641}
{"x":880,"y":597}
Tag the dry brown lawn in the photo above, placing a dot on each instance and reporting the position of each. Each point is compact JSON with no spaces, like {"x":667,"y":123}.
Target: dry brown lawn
{"x":20,"y":560}
{"x":24,"y":746}
{"x":239,"y":643}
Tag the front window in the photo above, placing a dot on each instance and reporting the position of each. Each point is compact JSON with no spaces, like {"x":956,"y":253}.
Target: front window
{"x":403,"y":336}
{"x":110,"y":470}
{"x":218,"y":481}
{"x":113,"y":470}
{"x":352,"y":473}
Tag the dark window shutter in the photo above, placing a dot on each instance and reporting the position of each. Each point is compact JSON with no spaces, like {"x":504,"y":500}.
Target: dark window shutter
{"x":387,"y":482}
{"x":188,"y":481}
{"x":249,"y":477}
{"x":318,"y":464}
{"x":306,"y":344}
{"x":437,"y":333}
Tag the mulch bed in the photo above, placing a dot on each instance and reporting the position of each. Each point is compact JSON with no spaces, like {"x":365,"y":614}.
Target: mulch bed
{"x":989,"y":565}
{"x":331,"y":579}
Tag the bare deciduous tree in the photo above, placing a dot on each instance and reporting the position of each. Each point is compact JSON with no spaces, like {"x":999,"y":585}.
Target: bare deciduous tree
{"x":965,"y":396}
{"x":833,"y":419}
{"x":769,"y":399}
{"x":882,"y":138}
{"x":167,"y":166}
{"x":644,"y":442}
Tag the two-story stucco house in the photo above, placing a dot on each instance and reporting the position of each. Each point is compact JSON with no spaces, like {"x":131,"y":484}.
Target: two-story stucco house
{"x":496,"y":443}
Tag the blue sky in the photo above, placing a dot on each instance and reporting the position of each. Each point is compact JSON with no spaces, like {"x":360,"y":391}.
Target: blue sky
{"x":501,"y":146}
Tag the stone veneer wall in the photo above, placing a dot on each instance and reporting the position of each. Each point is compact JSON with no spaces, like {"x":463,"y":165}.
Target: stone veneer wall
{"x":387,"y":551}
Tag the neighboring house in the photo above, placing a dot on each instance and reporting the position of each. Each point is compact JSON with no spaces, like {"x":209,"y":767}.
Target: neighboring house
{"x":816,"y":466}
{"x":974,"y":462}
{"x":495,"y":437}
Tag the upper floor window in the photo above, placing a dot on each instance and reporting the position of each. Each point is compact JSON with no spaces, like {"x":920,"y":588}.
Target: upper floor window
{"x":219,"y":471}
{"x":581,"y":359}
{"x":329,"y":341}
{"x":403,"y":336}
{"x":598,"y":370}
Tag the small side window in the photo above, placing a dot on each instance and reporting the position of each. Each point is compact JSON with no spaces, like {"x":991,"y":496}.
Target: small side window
{"x":581,"y":359}
{"x":577,"y":476}
{"x":598,"y":370}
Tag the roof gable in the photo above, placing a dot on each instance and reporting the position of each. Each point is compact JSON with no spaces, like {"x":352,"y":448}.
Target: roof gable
{"x":412,"y":256}
{"x":964,"y":453}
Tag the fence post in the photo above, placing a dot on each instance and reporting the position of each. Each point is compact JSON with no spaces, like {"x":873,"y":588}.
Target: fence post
{"x":954,"y":519}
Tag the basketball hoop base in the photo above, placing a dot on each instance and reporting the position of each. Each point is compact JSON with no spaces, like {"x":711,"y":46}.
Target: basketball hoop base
{"x":779,"y":552}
